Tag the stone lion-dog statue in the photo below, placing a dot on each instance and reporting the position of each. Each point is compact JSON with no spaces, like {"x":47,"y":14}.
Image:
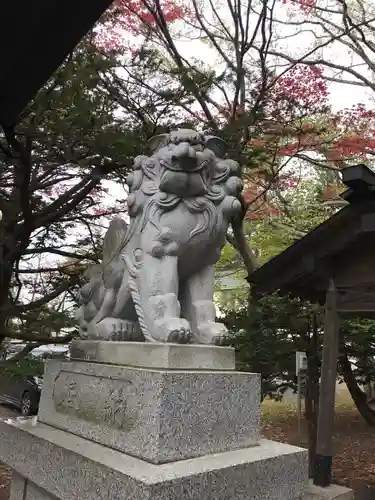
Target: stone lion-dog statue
{"x":156,"y":279}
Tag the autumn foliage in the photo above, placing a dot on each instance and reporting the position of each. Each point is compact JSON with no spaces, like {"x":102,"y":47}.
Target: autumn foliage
{"x":306,"y":5}
{"x":295,"y":123}
{"x":137,"y":17}
{"x":134,"y":18}
{"x":299,"y":124}
{"x":339,"y":138}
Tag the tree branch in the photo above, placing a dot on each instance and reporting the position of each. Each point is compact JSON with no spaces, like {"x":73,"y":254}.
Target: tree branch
{"x":16,"y":310}
{"x":63,"y":253}
{"x":239,"y":242}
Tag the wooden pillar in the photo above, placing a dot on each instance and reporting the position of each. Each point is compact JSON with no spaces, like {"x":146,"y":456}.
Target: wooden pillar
{"x":326,"y":415}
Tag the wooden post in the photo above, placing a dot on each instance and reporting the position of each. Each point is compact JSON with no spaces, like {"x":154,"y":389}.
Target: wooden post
{"x":299,"y":406}
{"x":324,"y":445}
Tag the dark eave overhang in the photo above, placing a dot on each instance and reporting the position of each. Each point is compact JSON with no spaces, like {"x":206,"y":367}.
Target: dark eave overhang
{"x":35,"y":38}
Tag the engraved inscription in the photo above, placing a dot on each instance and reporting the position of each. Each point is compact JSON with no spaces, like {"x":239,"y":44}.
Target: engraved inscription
{"x":98,"y":400}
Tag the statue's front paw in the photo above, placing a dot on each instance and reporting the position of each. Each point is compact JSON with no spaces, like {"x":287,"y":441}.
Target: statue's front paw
{"x":83,"y":332}
{"x":173,"y":330}
{"x":212,"y":333}
{"x":91,"y":331}
{"x":106,"y":329}
{"x":126,"y":331}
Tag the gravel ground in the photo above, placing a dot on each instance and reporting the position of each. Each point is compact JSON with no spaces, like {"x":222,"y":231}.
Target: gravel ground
{"x":4,"y":483}
{"x":4,"y":472}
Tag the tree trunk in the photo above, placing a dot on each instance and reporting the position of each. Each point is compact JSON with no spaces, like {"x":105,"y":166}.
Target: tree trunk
{"x":312,"y":395}
{"x":359,"y":397}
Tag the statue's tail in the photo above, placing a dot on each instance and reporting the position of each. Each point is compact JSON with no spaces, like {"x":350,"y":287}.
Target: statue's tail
{"x":114,"y":239}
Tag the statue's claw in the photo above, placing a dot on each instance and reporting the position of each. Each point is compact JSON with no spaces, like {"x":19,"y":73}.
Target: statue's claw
{"x":219,"y":340}
{"x":211,"y":333}
{"x":174,"y":330}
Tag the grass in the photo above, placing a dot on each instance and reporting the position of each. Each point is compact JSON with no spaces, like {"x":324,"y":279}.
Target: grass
{"x":272,"y":410}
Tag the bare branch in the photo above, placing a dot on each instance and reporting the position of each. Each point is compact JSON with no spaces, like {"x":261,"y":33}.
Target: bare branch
{"x":63,"y":253}
{"x":16,"y":310}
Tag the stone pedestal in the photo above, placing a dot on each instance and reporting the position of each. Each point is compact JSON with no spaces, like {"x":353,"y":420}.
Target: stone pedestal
{"x":124,"y":431}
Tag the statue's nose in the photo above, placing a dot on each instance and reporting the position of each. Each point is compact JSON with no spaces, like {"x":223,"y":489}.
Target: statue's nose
{"x":183,"y":150}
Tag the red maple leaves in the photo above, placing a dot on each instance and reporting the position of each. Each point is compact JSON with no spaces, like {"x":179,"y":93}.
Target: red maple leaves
{"x":355,"y":134}
{"x":302,"y":87}
{"x":345,"y":136}
{"x":136,"y":17}
{"x":305,"y":5}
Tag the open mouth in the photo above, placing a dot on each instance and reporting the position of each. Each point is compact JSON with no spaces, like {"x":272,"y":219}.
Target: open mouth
{"x":183,"y":164}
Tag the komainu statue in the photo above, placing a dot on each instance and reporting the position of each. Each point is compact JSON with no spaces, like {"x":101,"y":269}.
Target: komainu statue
{"x":156,"y":279}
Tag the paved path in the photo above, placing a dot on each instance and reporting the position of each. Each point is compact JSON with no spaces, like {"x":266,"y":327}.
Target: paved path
{"x":6,"y":411}
{"x":4,"y":472}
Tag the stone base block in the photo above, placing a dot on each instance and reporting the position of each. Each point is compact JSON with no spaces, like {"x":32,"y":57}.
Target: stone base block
{"x":158,"y":416}
{"x":155,"y":355}
{"x":332,"y":492}
{"x":64,"y":467}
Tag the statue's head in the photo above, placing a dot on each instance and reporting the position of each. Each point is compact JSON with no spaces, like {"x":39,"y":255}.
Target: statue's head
{"x":187,"y":161}
{"x":185,"y":165}
{"x":186,"y":150}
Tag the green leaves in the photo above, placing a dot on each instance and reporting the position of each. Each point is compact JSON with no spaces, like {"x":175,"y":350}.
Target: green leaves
{"x":267,"y":337}
{"x":358,"y":338}
{"x":20,"y":369}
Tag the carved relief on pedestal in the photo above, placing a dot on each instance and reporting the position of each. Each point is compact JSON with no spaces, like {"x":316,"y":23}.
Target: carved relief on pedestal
{"x":112,"y":402}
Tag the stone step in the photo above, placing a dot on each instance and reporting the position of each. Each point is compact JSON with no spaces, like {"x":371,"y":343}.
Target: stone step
{"x":57,"y":465}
